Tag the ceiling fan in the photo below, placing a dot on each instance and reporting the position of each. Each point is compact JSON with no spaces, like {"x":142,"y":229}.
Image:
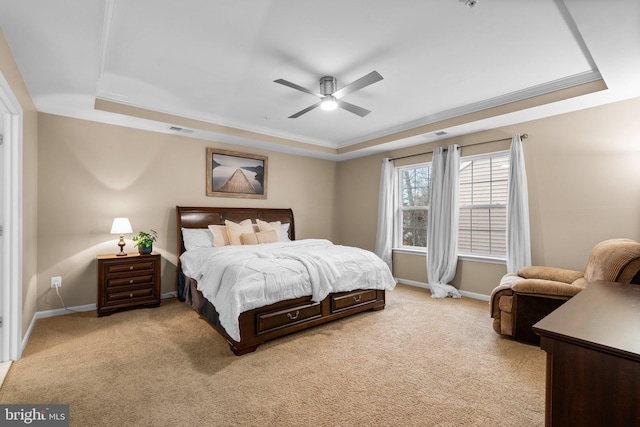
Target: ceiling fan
{"x":330,"y":96}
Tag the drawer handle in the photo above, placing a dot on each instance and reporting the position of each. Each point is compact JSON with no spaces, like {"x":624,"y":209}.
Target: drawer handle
{"x":131,"y":267}
{"x":131,"y":281}
{"x":130,"y":295}
{"x":293,"y":316}
{"x":356,"y":298}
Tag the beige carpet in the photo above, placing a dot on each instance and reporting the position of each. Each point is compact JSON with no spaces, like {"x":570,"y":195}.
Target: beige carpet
{"x":419,"y":362}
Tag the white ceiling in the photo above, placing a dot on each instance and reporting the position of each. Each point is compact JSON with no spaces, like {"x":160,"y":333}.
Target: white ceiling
{"x":215,"y":61}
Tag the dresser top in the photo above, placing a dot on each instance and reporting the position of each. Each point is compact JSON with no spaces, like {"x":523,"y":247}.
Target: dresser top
{"x":605,"y":315}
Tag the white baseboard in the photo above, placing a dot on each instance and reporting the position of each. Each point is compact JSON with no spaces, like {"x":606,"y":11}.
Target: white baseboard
{"x":467,"y":294}
{"x":69,"y":310}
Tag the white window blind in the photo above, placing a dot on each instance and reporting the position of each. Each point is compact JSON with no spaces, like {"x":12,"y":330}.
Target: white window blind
{"x":483,"y":205}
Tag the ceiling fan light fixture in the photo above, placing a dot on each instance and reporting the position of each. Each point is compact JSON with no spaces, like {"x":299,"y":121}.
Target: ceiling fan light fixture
{"x":330,"y":98}
{"x":329,"y":103}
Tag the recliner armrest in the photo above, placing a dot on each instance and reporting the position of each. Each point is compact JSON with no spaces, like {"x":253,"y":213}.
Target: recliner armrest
{"x":550,"y":273}
{"x":548,"y":288}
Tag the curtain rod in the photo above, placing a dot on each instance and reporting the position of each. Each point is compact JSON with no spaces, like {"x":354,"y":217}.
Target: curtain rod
{"x":522,"y":136}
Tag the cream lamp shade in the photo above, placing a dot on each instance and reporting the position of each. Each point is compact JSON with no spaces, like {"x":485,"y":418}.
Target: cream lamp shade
{"x":121,"y":226}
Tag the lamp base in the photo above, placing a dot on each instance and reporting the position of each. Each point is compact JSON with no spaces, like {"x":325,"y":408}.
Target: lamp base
{"x":121,"y":243}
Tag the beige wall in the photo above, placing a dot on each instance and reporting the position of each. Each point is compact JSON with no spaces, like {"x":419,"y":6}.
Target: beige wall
{"x":91,"y":172}
{"x":10,"y":71}
{"x":584,"y":187}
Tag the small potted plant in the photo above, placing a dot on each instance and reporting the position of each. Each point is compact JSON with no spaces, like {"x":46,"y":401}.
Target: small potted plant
{"x":144,"y":241}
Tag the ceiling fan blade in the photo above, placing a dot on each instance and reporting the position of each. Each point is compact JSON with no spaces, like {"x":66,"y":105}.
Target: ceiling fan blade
{"x":352,"y":108}
{"x":297,"y":87}
{"x":367,"y":80}
{"x":306,"y":110}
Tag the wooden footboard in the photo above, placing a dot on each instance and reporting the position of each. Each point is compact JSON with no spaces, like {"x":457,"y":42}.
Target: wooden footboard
{"x":286,"y":317}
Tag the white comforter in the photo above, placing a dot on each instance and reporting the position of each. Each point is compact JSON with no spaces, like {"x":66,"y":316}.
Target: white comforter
{"x":240,"y":278}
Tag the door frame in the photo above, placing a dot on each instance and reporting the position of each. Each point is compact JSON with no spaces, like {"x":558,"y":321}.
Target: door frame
{"x":11,"y":281}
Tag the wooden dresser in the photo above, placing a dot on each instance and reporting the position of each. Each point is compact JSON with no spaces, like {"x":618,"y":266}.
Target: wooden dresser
{"x":127,"y":282}
{"x":593,"y":358}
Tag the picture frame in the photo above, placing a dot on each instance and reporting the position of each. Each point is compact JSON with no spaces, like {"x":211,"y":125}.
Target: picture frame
{"x":235,"y":174}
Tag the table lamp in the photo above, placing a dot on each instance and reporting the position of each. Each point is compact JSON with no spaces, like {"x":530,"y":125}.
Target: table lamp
{"x":121,"y":226}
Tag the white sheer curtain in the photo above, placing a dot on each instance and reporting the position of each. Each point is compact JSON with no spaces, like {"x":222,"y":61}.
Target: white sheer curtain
{"x":442,"y":222}
{"x":518,"y":234}
{"x":387,"y":203}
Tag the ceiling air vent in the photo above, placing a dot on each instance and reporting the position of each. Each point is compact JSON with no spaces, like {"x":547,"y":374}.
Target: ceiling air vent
{"x":440,"y":133}
{"x":179,"y":129}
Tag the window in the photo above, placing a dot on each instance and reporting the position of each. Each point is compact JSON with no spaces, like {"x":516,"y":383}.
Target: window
{"x":482,"y":228}
{"x":414,"y":190}
{"x":483,"y":205}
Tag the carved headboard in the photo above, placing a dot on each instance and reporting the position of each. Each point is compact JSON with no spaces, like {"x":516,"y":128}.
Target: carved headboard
{"x":201,"y":217}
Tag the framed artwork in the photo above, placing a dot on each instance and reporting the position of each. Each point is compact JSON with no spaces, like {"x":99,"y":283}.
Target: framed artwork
{"x":234,"y":174}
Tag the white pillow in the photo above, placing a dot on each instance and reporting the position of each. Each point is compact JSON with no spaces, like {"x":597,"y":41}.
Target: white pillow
{"x":235,"y":230}
{"x":285,"y":232}
{"x":195,"y":238}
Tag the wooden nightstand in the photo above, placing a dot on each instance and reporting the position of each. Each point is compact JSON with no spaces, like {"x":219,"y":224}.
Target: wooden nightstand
{"x":127,"y":282}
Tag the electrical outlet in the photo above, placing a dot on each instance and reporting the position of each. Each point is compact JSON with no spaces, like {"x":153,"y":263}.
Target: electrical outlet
{"x":56,"y":282}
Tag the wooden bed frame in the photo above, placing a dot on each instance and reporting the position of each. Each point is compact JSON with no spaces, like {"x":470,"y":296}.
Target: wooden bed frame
{"x":275,"y":320}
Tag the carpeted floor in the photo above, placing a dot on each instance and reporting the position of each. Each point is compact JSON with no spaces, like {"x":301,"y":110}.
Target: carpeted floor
{"x":418,"y":362}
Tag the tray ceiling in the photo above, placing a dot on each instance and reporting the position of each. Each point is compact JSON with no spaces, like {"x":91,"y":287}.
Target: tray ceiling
{"x":207,"y":66}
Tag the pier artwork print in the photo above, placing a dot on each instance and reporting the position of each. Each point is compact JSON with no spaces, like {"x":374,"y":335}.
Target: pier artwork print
{"x":234,"y":174}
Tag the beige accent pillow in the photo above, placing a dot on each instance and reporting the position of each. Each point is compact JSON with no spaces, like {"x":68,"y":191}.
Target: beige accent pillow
{"x":249,"y":239}
{"x":267,"y":236}
{"x":235,"y":230}
{"x":259,"y":237}
{"x":220,"y":235}
{"x":271,"y":226}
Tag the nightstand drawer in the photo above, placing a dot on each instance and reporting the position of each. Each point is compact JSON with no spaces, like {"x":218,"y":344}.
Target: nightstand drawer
{"x":343,"y":301}
{"x":112,"y":282}
{"x":128,"y":267}
{"x":130,"y":294}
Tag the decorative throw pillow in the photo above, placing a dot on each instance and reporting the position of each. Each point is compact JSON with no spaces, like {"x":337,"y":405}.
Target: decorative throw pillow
{"x":267,"y":236}
{"x":234,"y":230}
{"x":249,"y":239}
{"x":259,"y":237}
{"x":220,"y":235}
{"x":271,"y":226}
